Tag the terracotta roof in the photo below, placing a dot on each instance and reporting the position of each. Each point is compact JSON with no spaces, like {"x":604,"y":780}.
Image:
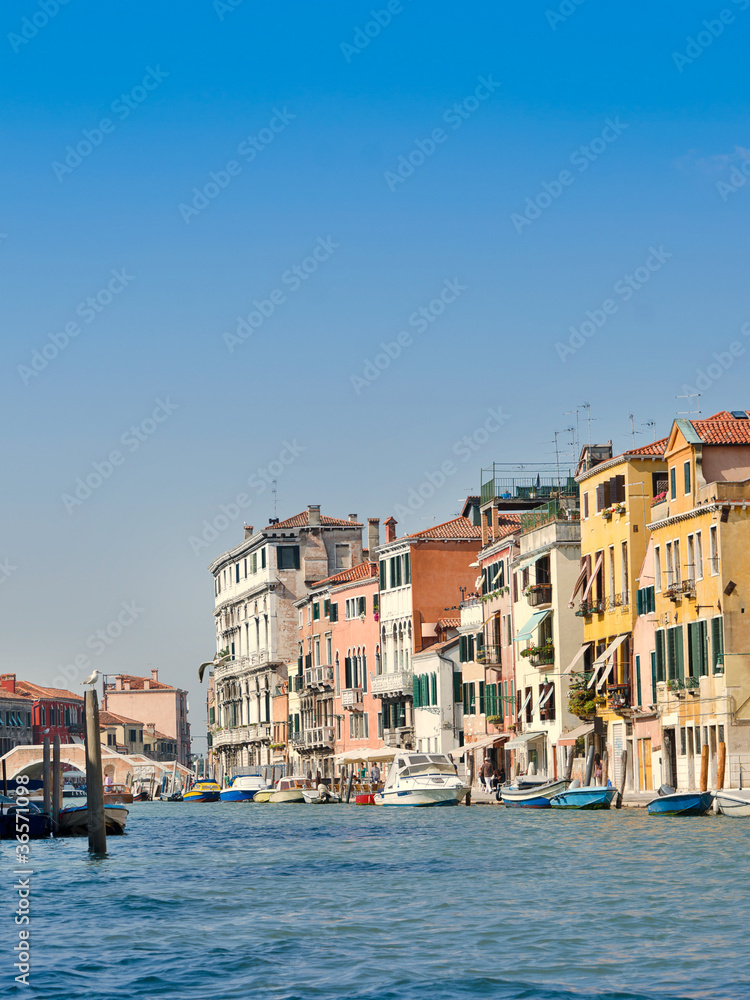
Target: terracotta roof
{"x":36,"y":691}
{"x":156,"y":735}
{"x":435,"y":646}
{"x":507,"y":524}
{"x":8,"y":695}
{"x":110,"y":719}
{"x":655,"y":448}
{"x":362,"y":571}
{"x":726,"y":415}
{"x":136,"y":684}
{"x":448,"y":622}
{"x":302,"y":521}
{"x":731,"y":431}
{"x":458,"y":527}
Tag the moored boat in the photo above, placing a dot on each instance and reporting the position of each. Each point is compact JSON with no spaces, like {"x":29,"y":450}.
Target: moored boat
{"x":320,"y":796}
{"x":117,"y":794}
{"x":419,"y":779}
{"x":263,"y":796}
{"x":584,"y":797}
{"x":17,"y":821}
{"x":671,"y":803}
{"x":733,"y":801}
{"x":528,"y":794}
{"x":289,"y":789}
{"x":74,"y":820}
{"x":243,"y":788}
{"x":202,"y":791}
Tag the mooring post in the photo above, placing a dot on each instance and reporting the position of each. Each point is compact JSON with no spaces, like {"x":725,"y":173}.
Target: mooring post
{"x":56,"y":783}
{"x":704,"y":767}
{"x":470,"y":782}
{"x":605,"y":768}
{"x":46,"y":778}
{"x":5,"y":781}
{"x":569,"y":763}
{"x":721,"y":765}
{"x":623,"y":776}
{"x":350,"y":783}
{"x":94,"y":779}
{"x":589,"y":766}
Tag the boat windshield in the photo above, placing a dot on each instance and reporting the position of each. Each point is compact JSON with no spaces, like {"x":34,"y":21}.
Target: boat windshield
{"x":427,"y":764}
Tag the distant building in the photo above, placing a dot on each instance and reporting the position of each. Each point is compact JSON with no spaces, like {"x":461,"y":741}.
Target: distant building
{"x":154,"y":703}
{"x":15,"y":715}
{"x":55,"y":712}
{"x":120,"y":733}
{"x":158,"y":746}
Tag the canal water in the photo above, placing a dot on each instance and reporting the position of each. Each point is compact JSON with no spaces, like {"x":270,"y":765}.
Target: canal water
{"x":280,"y":902}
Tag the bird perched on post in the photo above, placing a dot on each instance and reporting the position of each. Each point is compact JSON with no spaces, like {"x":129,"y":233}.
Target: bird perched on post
{"x":217,"y":660}
{"x":93,"y":679}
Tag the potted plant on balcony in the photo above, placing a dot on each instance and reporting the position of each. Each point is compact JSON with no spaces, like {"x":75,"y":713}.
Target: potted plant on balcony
{"x":580,"y":699}
{"x":495,"y":720}
{"x":659,"y":498}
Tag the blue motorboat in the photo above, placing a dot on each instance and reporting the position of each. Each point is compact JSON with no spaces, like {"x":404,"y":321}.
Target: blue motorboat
{"x":672,"y":803}
{"x":243,"y":788}
{"x":584,"y":797}
{"x":17,"y":821}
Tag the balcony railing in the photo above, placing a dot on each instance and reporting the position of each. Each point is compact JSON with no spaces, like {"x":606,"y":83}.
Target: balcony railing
{"x":320,"y":736}
{"x":352,"y":698}
{"x":543,"y":658}
{"x":618,"y":696}
{"x":533,"y":485}
{"x":490,"y":654}
{"x":319,"y":677}
{"x":242,"y":734}
{"x":399,"y":736}
{"x":540,"y":593}
{"x":396,"y":683}
{"x":589,"y":608}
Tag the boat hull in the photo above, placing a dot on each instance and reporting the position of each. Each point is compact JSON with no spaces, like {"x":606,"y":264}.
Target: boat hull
{"x":584,"y":798}
{"x":532,"y":798}
{"x":74,"y":821}
{"x":421,"y":797}
{"x":262,"y":796}
{"x":733,"y":802}
{"x":314,"y":798}
{"x":238,"y":795}
{"x":681,"y":804}
{"x":287,"y":795}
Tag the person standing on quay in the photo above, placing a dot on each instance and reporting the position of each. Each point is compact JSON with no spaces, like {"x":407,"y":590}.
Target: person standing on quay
{"x":486,"y":774}
{"x":375,"y":774}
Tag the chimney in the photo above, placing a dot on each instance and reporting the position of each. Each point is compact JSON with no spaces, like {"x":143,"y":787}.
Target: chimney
{"x":313,"y":515}
{"x":373,"y":537}
{"x":8,"y":682}
{"x":154,"y":673}
{"x":353,"y":517}
{"x":248,"y":530}
{"x":390,"y":529}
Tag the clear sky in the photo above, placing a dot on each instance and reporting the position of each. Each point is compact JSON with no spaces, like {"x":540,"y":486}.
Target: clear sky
{"x":255,"y":196}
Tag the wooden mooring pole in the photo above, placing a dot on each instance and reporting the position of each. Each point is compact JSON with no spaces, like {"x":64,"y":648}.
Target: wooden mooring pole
{"x":46,"y":778}
{"x":605,"y":768}
{"x":350,"y":783}
{"x":569,"y":764}
{"x":623,"y":776}
{"x":94,"y":778}
{"x":56,"y":783}
{"x":704,"y":767}
{"x":589,"y":766}
{"x":721,"y":765}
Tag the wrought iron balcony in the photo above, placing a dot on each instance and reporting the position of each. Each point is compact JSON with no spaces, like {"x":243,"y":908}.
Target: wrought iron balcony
{"x":320,"y":736}
{"x":540,"y":593}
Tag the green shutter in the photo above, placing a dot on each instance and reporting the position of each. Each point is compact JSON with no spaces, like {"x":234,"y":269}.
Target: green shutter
{"x":717,"y":645}
{"x":382,"y":574}
{"x":433,"y":685}
{"x":653,"y":675}
{"x":672,"y":483}
{"x":680,"y":653}
{"x":462,"y":649}
{"x":466,"y":698}
{"x":456,"y":687}
{"x":638,"y":679}
{"x":469,"y":647}
{"x":687,"y":477}
{"x":639,"y":602}
{"x":415,"y":692}
{"x":472,"y":698}
{"x":481,"y":698}
{"x":703,"y":639}
{"x":660,"y":671}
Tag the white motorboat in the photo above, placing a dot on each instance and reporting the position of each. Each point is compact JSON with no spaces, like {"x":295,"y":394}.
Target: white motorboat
{"x":733,"y":801}
{"x":244,"y":788}
{"x":73,"y":820}
{"x":320,"y":796}
{"x":289,"y":789}
{"x":419,"y":779}
{"x":531,"y":793}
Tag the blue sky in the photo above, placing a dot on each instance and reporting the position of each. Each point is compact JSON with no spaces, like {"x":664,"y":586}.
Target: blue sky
{"x":333,"y":120}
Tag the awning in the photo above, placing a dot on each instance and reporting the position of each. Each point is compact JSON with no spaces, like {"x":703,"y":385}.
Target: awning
{"x":568,"y":739}
{"x":524,"y":564}
{"x":585,"y":563}
{"x":577,"y":657}
{"x":528,"y":699}
{"x":597,"y":566}
{"x":477,"y":745}
{"x":520,"y":741}
{"x":608,"y":652}
{"x":547,"y":696}
{"x":531,"y":625}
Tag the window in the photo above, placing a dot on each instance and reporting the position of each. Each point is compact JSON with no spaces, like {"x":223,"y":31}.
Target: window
{"x":611,"y":572}
{"x":661,"y":674}
{"x":602,"y":496}
{"x":433,"y":689}
{"x":361,"y":605}
{"x":262,"y":558}
{"x":690,"y":565}
{"x":698,"y":556}
{"x":327,"y":609}
{"x":382,"y":568}
{"x":673,"y":483}
{"x":343,"y":555}
{"x":624,"y":582}
{"x":133,"y":736}
{"x":645,"y":601}
{"x":657,"y":569}
{"x":329,"y":648}
{"x":639,"y":698}
{"x":481,"y":697}
{"x":287,"y":556}
{"x":236,"y":572}
{"x":717,"y":645}
{"x":686,"y":469}
{"x":713,"y":536}
{"x":697,"y":649}
{"x":254,"y":562}
{"x":380,"y":725}
{"x":585,"y":506}
{"x":395,"y":566}
{"x":245,"y":565}
{"x":316,"y":611}
{"x":675,"y":656}
{"x":407,"y":567}
{"x":333,"y":613}
{"x":670,"y":569}
{"x":677,"y":564}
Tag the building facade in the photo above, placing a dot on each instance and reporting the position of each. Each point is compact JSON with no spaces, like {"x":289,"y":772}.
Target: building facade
{"x":152,"y":702}
{"x":55,"y":712}
{"x":16,"y":712}
{"x":437,"y":697}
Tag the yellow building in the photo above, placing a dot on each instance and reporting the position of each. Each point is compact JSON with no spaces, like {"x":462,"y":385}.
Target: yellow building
{"x":701,"y":556}
{"x":616,"y":496}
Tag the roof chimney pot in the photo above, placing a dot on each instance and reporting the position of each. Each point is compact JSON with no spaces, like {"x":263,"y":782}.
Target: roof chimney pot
{"x":313,"y":515}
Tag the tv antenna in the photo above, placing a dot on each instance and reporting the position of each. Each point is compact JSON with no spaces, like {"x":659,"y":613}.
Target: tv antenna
{"x":275,"y":495}
{"x":690,"y":413}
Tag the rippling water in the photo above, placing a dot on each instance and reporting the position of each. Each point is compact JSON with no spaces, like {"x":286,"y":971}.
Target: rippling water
{"x":233,"y":900}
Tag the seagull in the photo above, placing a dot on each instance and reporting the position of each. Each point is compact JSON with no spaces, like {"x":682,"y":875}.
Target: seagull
{"x":93,"y":679}
{"x":217,"y":661}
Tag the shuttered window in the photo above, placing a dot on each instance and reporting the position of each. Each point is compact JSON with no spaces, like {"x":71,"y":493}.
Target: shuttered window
{"x":466,"y":698}
{"x":462,"y":649}
{"x":481,"y":698}
{"x":698,"y":649}
{"x":472,"y":699}
{"x":639,"y":699}
{"x":382,"y":575}
{"x":361,"y":605}
{"x":457,"y":687}
{"x":333,"y":613}
{"x":348,"y":672}
{"x":673,"y":483}
{"x":675,"y":655}
{"x":717,"y":645}
{"x":416,"y":692}
{"x":661,"y":674}
{"x":433,"y":689}
{"x":687,"y":477}
{"x":425,"y":683}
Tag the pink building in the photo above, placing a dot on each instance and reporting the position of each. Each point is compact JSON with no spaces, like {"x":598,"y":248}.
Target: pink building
{"x":154,"y":703}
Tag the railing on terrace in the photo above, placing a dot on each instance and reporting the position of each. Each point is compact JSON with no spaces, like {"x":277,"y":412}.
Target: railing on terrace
{"x":317,"y":676}
{"x":543,"y":658}
{"x":395,"y":683}
{"x":490,"y":654}
{"x":317,"y":737}
{"x":618,"y":696}
{"x":526,"y":484}
{"x":539,"y":593}
{"x":352,"y":698}
{"x":547,"y":513}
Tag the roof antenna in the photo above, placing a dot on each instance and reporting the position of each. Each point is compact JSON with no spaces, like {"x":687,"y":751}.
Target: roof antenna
{"x":275,"y":495}
{"x":690,"y":413}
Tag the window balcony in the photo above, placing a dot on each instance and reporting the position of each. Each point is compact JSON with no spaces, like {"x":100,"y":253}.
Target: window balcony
{"x":352,"y":699}
{"x":401,"y":736}
{"x":589,"y":608}
{"x":618,"y":697}
{"x":540,"y":593}
{"x":544,"y":658}
{"x":392,"y":685}
{"x":256,"y":733}
{"x":490,"y":655}
{"x":319,"y":677}
{"x":309,"y":739}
